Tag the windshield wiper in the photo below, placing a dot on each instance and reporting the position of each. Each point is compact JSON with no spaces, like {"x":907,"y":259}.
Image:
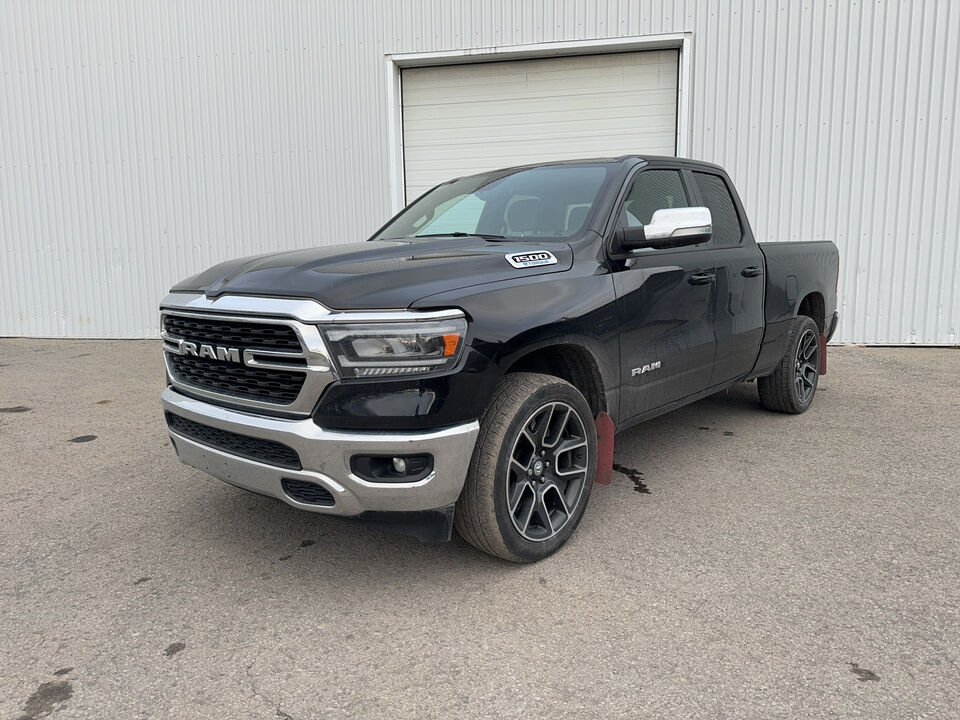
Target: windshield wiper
{"x":485,"y":236}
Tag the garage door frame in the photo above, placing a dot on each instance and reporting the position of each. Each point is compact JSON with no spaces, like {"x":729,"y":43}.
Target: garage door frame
{"x":397,"y":61}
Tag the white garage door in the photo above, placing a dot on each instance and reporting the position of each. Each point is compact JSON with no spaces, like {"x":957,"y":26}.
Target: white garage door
{"x":461,"y":119}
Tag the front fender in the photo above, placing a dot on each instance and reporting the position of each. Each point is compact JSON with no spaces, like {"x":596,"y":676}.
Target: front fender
{"x":514,"y":318}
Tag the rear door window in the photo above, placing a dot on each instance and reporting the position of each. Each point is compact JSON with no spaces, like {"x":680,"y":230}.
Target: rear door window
{"x":727,"y":231}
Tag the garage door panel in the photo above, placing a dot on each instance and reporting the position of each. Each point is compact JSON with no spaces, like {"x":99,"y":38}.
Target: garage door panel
{"x":462,"y":119}
{"x":586,"y":139}
{"x":419,"y":183}
{"x":487,"y":145}
{"x":425,"y":146}
{"x":587,"y":104}
{"x":452,"y":77}
{"x":509,"y":150}
{"x":419,"y":122}
{"x":530,"y":86}
{"x":445,"y":169}
{"x":659,"y":102}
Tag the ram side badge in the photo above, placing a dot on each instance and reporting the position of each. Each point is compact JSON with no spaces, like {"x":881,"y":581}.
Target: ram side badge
{"x":531,"y":259}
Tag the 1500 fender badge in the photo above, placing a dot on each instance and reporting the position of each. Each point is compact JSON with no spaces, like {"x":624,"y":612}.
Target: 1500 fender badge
{"x":531,"y":259}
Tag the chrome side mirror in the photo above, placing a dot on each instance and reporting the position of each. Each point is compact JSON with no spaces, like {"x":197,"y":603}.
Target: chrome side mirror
{"x":670,"y":228}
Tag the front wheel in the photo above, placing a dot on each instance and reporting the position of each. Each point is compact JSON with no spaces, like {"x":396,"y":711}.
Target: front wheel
{"x":791,"y":387}
{"x":532,"y":469}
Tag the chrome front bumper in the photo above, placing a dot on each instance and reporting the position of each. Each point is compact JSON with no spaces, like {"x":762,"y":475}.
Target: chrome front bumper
{"x":325,"y":457}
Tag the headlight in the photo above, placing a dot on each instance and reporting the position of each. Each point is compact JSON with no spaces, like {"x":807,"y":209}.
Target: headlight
{"x":399,"y":348}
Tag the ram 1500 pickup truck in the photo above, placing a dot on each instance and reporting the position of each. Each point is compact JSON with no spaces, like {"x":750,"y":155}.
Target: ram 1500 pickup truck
{"x":469,"y":364}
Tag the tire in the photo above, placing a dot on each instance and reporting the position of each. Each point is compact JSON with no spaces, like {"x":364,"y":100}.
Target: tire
{"x":516,"y":503}
{"x":791,"y":387}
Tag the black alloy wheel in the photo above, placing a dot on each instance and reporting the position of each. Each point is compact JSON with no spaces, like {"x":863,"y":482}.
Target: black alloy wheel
{"x":807,"y":366}
{"x":547,"y":471}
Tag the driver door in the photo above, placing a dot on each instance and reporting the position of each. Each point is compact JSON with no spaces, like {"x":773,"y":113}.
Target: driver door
{"x":666,"y":304}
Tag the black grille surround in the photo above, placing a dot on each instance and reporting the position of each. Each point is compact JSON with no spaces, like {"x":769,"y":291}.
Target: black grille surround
{"x":268,"y":452}
{"x":307,"y":492}
{"x":233,"y":379}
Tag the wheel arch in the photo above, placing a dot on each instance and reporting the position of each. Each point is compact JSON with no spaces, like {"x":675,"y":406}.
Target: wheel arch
{"x":569,"y":360}
{"x":814,"y":306}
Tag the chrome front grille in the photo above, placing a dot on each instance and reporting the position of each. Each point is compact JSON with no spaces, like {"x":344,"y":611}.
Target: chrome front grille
{"x":267,"y":363}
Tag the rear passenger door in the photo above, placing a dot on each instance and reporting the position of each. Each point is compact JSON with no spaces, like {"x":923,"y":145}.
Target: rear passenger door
{"x":665,"y":303}
{"x":739,"y":268}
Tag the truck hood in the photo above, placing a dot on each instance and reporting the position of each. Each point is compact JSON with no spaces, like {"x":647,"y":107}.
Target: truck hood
{"x":391,"y":274}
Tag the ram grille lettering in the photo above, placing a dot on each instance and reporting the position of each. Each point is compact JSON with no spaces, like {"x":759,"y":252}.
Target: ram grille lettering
{"x":213,"y":352}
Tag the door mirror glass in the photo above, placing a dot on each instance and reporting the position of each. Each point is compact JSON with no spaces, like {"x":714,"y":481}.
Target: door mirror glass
{"x":669,"y":228}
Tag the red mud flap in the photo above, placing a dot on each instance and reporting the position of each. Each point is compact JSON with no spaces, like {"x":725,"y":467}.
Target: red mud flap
{"x":823,"y":354}
{"x":604,"y":449}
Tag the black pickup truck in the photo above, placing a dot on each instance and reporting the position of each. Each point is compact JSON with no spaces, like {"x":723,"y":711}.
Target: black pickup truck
{"x":469,"y":364}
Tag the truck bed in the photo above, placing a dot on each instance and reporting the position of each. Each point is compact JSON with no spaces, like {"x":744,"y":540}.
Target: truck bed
{"x":797,"y":272}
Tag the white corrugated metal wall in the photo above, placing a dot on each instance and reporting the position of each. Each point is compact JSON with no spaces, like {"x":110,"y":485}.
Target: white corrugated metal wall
{"x":143,"y":141}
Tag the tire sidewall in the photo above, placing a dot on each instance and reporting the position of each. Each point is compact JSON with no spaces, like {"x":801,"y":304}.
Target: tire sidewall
{"x":527,"y":550}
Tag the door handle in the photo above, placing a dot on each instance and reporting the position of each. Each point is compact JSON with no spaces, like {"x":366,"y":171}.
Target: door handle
{"x":752,"y":271}
{"x":702,"y":278}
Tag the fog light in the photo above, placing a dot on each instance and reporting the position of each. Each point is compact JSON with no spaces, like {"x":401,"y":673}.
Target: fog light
{"x":392,"y":468}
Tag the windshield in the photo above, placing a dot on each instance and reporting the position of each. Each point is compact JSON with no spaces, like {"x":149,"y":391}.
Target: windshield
{"x":548,"y":203}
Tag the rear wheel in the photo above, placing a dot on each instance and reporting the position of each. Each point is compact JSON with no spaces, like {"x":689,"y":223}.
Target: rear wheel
{"x":532,"y":469}
{"x":791,"y":387}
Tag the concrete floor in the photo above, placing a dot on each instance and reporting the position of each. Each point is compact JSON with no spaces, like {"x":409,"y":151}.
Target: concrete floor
{"x":778,"y":567}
